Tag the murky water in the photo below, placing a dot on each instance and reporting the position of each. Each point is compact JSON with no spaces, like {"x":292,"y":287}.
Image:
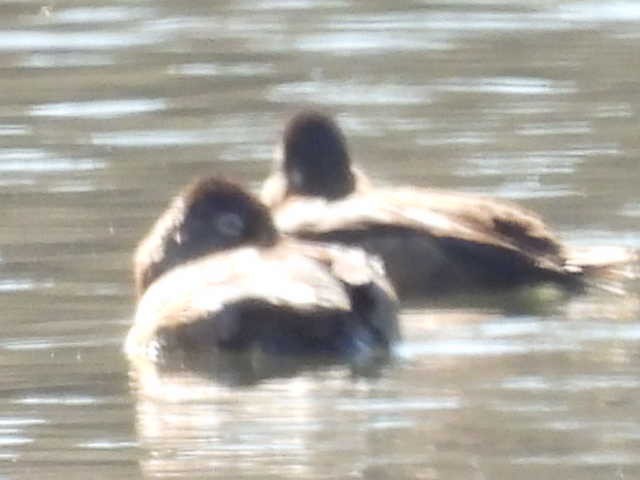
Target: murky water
{"x":107,"y":108}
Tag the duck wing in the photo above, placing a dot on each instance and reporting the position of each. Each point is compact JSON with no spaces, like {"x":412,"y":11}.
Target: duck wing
{"x":208,"y":287}
{"x":437,"y":214}
{"x":363,"y":276}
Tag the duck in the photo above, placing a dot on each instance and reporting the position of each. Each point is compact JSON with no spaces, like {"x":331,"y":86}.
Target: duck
{"x":213,"y":275}
{"x":432,"y":242}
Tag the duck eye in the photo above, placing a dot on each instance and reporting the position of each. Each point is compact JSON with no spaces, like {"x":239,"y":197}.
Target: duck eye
{"x":296,"y":177}
{"x":229,"y":224}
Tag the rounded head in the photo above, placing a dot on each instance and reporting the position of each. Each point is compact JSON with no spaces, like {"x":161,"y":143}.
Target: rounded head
{"x":209,"y":216}
{"x":315,"y":157}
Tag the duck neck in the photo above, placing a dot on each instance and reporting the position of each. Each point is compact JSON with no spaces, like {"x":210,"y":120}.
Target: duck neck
{"x":331,"y":184}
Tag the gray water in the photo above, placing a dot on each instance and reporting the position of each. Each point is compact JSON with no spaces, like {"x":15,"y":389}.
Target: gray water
{"x":108,"y":107}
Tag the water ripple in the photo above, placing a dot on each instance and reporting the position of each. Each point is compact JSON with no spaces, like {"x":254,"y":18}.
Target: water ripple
{"x":162,"y":138}
{"x":582,"y":459}
{"x":508,"y":86}
{"x":599,"y":12}
{"x":15,"y":285}
{"x":356,"y":93}
{"x":631,"y":210}
{"x":39,"y":160}
{"x":345,"y":43}
{"x":14,"y":441}
{"x":271,"y":5}
{"x":546,"y":162}
{"x":574,"y":384}
{"x":20,"y":422}
{"x":104,"y":14}
{"x":99,"y":108}
{"x":27,"y":40}
{"x":219,"y":69}
{"x":485,"y":348}
{"x":14,"y":130}
{"x":69,"y":400}
{"x":400,"y":405}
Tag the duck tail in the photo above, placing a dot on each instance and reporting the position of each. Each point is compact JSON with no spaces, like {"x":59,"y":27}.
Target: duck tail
{"x":605,"y":267}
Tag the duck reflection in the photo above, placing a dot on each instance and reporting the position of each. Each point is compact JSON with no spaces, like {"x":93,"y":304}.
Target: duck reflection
{"x":192,"y":424}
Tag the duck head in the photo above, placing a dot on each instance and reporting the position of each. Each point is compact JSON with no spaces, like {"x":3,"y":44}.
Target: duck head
{"x":315,"y":159}
{"x":209,"y":216}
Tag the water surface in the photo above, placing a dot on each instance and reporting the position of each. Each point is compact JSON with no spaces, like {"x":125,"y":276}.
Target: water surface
{"x":107,"y":108}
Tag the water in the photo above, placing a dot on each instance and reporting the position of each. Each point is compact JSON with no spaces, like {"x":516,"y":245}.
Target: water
{"x":107,"y":108}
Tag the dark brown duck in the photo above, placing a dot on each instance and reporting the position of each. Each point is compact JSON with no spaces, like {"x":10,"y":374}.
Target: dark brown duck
{"x":432,"y":241}
{"x":214,"y":275}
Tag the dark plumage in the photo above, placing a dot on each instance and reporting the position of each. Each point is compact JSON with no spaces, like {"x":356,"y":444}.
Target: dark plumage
{"x":431,"y":241}
{"x":210,"y":215}
{"x":214,"y":275}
